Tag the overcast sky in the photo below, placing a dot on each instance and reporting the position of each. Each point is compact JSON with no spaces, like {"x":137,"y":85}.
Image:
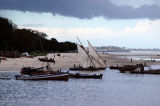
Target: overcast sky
{"x":128,"y":23}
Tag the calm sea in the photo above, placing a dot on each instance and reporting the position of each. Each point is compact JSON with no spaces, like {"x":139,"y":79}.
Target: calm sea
{"x":135,"y":53}
{"x":115,"y":89}
{"x":138,"y":55}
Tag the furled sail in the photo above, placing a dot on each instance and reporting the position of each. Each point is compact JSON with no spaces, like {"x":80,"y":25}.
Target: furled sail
{"x":84,"y":56}
{"x":96,"y":59}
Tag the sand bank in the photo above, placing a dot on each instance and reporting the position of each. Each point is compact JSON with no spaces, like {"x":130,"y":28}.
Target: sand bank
{"x":64,"y":61}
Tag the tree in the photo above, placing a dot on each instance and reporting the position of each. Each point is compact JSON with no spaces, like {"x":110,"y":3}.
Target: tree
{"x":14,"y":39}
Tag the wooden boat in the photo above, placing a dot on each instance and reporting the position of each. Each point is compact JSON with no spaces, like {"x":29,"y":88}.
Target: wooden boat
{"x":151,"y":71}
{"x":43,"y":77}
{"x":125,"y":68}
{"x":31,"y":73}
{"x":77,"y":75}
{"x":36,"y":71}
{"x":90,"y":60}
{"x":86,"y":69}
{"x":138,"y":69}
{"x":131,"y":68}
{"x":114,"y":67}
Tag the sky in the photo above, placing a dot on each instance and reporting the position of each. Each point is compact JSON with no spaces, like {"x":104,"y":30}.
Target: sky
{"x":124,"y":23}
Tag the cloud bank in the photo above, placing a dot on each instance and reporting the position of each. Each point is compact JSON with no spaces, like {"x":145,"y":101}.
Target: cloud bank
{"x":145,"y":31}
{"x":84,"y":8}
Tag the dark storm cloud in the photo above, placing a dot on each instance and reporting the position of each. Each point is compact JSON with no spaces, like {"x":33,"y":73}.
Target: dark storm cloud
{"x":83,"y":8}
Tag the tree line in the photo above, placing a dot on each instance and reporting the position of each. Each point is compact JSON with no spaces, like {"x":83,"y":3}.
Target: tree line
{"x":21,"y":40}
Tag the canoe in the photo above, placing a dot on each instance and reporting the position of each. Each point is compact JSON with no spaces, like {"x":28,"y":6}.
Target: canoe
{"x":77,"y":75}
{"x":43,"y":77}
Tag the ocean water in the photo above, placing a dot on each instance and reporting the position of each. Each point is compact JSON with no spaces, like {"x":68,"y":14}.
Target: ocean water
{"x":115,"y":89}
{"x":138,"y":55}
{"x":135,"y":53}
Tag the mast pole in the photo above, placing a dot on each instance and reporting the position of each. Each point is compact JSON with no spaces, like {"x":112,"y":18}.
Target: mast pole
{"x":85,"y":51}
{"x":97,"y":53}
{"x":48,"y":65}
{"x":79,"y":41}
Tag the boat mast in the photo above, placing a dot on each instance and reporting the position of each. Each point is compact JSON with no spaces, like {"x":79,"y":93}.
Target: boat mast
{"x":96,"y":53}
{"x":48,"y":65}
{"x":85,"y":51}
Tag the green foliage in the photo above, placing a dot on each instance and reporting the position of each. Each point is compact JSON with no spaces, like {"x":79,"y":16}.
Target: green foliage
{"x":21,"y":40}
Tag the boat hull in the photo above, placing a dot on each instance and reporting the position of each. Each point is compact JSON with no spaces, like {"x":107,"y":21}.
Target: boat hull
{"x":77,"y":75}
{"x":87,"y":69}
{"x":146,"y":72}
{"x":44,"y":77}
{"x":114,"y":67}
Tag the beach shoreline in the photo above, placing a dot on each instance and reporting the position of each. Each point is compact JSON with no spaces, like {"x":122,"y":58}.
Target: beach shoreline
{"x":66,"y":60}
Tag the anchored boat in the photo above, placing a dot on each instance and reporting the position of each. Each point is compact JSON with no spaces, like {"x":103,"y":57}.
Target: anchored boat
{"x":90,"y":60}
{"x":77,"y":75}
{"x":43,"y":77}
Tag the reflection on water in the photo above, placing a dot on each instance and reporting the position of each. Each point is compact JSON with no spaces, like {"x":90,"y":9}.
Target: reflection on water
{"x":115,"y":89}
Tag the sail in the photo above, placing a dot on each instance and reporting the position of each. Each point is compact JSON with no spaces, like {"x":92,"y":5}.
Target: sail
{"x":85,"y":58}
{"x":97,"y":61}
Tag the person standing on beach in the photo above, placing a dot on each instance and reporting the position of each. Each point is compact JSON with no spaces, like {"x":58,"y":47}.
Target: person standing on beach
{"x":131,"y":60}
{"x":54,"y":61}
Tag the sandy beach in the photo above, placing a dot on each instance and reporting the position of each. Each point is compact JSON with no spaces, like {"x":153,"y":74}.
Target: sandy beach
{"x":67,"y":60}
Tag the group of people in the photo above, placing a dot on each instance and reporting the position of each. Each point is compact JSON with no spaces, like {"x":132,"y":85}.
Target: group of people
{"x":50,"y":60}
{"x":47,"y":59}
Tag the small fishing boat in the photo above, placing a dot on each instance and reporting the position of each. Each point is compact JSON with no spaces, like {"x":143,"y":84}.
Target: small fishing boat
{"x":129,"y":68}
{"x":114,"y":67}
{"x":90,"y":60}
{"x":86,"y":69}
{"x":36,"y":71}
{"x":78,"y":75}
{"x":31,"y":73}
{"x":151,"y":71}
{"x":138,"y":69}
{"x":43,"y":77}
